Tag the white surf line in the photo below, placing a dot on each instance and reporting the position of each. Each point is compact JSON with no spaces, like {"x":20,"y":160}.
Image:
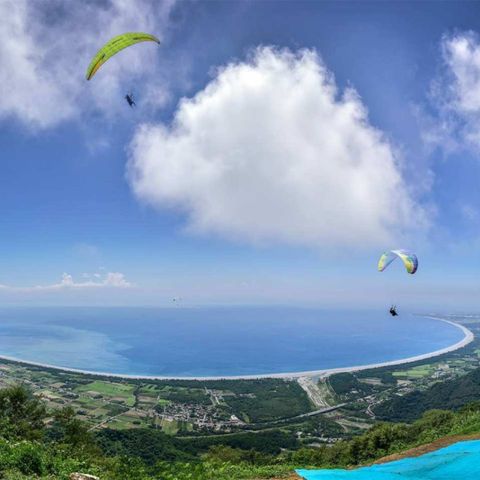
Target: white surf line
{"x":469,"y":336}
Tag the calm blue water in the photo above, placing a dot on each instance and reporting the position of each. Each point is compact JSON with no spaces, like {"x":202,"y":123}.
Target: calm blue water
{"x":460,"y":461}
{"x":214,"y":341}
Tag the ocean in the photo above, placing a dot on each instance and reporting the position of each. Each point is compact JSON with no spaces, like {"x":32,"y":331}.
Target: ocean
{"x":220,"y":341}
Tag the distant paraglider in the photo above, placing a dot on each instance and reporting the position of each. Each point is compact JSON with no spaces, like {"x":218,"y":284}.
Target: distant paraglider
{"x":130,"y":100}
{"x":115,"y":45}
{"x":409,"y":260}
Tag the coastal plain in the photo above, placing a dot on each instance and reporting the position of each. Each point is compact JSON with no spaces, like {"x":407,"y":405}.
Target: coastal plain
{"x":306,"y":410}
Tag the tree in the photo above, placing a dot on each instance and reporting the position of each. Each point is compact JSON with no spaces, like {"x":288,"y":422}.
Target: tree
{"x":22,"y":415}
{"x":67,"y":429}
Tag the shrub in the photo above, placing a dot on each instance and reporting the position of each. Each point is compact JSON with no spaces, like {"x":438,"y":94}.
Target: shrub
{"x":28,"y":459}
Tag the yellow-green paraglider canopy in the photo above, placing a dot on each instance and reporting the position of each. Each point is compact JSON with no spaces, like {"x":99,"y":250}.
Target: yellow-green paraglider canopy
{"x":409,"y":259}
{"x":114,"y":45}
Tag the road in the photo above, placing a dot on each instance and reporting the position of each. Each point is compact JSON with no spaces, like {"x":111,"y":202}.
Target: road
{"x":318,"y":396}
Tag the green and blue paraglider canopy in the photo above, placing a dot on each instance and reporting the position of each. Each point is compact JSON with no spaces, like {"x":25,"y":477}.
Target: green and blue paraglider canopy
{"x":409,"y":259}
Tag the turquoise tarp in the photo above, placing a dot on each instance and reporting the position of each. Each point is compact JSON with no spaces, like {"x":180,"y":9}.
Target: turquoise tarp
{"x":460,"y":461}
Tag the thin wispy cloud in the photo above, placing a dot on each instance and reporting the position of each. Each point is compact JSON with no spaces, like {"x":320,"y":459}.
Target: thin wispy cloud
{"x":87,"y":251}
{"x":67,"y":282}
{"x":469,"y":213}
{"x":270,"y":151}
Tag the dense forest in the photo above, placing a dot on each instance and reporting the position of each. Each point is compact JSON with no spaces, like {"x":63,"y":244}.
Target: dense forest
{"x":450,"y":394}
{"x":33,"y":444}
{"x":346,"y":385}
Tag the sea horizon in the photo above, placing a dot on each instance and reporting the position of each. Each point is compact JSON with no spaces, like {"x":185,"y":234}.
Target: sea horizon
{"x":209,"y":342}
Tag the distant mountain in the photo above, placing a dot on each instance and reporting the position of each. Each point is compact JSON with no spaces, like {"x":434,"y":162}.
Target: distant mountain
{"x":447,"y":395}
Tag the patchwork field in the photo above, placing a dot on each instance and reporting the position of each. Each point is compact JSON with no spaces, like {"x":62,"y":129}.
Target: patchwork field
{"x":119,"y":392}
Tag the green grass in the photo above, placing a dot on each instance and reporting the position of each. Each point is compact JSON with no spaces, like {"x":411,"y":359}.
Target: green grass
{"x":172,"y":427}
{"x":149,"y":391}
{"x":169,"y":427}
{"x":110,"y":389}
{"x":416,"y":372}
{"x":124,"y":422}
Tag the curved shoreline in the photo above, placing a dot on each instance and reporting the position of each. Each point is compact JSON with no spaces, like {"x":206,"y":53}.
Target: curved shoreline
{"x":469,"y":336}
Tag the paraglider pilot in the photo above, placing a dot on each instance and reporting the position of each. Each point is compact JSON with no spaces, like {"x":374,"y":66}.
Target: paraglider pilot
{"x":393,"y":311}
{"x":129,"y":99}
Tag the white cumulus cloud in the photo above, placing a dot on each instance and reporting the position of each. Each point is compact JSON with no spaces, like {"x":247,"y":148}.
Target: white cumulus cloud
{"x":455,"y":94}
{"x":46,"y":46}
{"x":461,"y":53}
{"x":271,"y":151}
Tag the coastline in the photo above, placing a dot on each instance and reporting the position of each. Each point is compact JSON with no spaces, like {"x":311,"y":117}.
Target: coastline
{"x":468,"y":337}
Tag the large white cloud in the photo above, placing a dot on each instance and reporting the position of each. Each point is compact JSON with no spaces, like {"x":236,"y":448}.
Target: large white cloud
{"x":270,"y":150}
{"x":45,"y":47}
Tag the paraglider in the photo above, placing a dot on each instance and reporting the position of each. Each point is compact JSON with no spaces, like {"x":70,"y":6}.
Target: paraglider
{"x":409,"y":260}
{"x":393,"y":311}
{"x":115,"y":45}
{"x":129,"y":99}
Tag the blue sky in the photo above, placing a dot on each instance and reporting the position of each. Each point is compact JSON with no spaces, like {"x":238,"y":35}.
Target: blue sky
{"x":277,"y":149}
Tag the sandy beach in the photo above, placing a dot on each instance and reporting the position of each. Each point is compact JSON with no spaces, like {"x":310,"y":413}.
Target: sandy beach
{"x":468,"y":337}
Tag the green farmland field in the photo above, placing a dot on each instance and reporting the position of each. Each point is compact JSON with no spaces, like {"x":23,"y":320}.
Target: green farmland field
{"x":110,"y":389}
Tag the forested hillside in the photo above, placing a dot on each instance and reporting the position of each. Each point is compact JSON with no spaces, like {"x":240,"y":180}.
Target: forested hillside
{"x":33,"y":444}
{"x":450,"y":394}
